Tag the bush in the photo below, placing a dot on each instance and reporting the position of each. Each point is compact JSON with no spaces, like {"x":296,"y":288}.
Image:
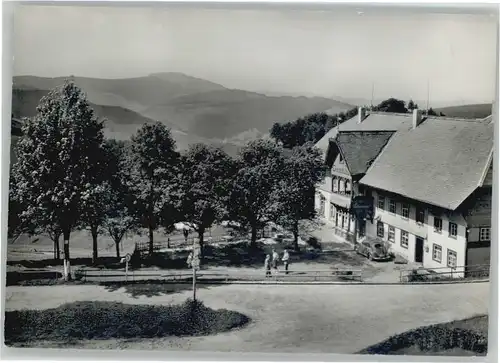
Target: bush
{"x":105,"y":320}
{"x":434,"y":338}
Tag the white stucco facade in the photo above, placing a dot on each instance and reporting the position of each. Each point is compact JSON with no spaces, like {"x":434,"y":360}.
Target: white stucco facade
{"x":401,"y":231}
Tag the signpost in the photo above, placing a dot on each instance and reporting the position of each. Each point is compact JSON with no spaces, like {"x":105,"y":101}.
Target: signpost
{"x":362,"y":207}
{"x":195,"y":263}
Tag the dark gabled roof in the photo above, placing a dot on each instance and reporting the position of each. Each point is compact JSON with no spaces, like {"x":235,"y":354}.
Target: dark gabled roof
{"x":374,"y":121}
{"x":360,"y":148}
{"x":440,"y":162}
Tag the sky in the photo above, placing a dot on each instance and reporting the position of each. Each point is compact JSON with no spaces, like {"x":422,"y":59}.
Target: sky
{"x":343,"y":52}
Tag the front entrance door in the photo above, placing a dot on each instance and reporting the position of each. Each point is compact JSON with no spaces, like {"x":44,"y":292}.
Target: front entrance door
{"x":362,"y":227}
{"x":419,"y":249}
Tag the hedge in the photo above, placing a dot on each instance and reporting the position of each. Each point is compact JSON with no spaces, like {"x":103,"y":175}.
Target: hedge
{"x":434,"y":338}
{"x":105,"y":320}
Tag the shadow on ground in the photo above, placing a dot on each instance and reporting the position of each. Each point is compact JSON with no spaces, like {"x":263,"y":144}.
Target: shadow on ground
{"x":138,"y":290}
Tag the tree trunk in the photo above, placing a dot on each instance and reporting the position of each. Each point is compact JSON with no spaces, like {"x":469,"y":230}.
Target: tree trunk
{"x":201,"y":242}
{"x":93,"y":231}
{"x":253,"y":239}
{"x":296,"y":235}
{"x":117,"y":245}
{"x":151,"y":241}
{"x":67,"y":267}
{"x":58,"y":249}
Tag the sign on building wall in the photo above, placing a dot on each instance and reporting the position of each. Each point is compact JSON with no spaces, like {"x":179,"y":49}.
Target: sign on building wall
{"x":362,"y":207}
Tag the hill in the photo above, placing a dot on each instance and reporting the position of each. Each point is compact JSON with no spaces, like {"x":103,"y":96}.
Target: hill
{"x":120,"y":123}
{"x":194,"y":106}
{"x":467,"y":111}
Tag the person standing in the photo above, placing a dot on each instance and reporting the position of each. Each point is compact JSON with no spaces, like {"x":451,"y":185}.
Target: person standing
{"x":275,"y":260}
{"x":186,"y":234}
{"x":267,"y":266}
{"x":286,"y":260}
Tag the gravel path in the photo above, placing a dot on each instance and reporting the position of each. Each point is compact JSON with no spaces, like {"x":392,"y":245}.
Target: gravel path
{"x":315,"y":319}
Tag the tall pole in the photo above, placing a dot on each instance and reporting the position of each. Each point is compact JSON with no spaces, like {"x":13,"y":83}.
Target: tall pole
{"x":427,"y":96}
{"x":373,"y":90}
{"x":193,"y":264}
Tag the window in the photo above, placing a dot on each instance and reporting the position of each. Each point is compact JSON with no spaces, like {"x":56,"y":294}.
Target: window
{"x":322,"y":205}
{"x":404,"y":239}
{"x":392,"y":206}
{"x":332,"y":211}
{"x":348,"y":187}
{"x":392,"y":234}
{"x":420,"y":216}
{"x":335,"y":185}
{"x":341,"y":159}
{"x":381,"y":202}
{"x":452,"y":229}
{"x":437,"y":252}
{"x":485,"y":234}
{"x":346,"y":220}
{"x":405,"y":210}
{"x":452,"y":259}
{"x":380,"y":229}
{"x":438,"y":224}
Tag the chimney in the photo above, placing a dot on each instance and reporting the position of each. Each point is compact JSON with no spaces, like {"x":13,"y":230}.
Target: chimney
{"x":417,"y":117}
{"x":361,"y":114}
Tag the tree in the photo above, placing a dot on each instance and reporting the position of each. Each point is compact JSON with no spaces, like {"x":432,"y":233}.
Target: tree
{"x":412,"y":105}
{"x":391,"y":105}
{"x":58,"y":163}
{"x":118,"y":218}
{"x":310,"y":128}
{"x":154,"y":166}
{"x":253,"y":200}
{"x":304,"y":168}
{"x":431,"y":112}
{"x":331,"y":123}
{"x":206,"y":183}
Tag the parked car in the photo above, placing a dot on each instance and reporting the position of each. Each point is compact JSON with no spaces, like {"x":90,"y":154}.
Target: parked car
{"x":373,"y":250}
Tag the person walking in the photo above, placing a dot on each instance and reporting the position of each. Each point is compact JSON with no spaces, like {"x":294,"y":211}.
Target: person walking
{"x":267,"y":266}
{"x":275,"y":260}
{"x":190,"y":260}
{"x":286,"y":260}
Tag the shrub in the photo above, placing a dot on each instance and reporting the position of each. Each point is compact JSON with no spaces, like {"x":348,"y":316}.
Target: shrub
{"x":105,"y":320}
{"x":433,"y":338}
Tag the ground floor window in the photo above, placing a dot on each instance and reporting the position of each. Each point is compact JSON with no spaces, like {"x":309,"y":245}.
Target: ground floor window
{"x":322,"y":202}
{"x":332,"y":211}
{"x":404,"y":239}
{"x":437,"y":252}
{"x":484,"y":234}
{"x":392,"y":234}
{"x":380,"y":229}
{"x":452,"y":258}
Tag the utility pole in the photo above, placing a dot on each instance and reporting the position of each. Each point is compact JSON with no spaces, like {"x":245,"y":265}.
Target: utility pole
{"x":373,"y":90}
{"x":427,"y":108}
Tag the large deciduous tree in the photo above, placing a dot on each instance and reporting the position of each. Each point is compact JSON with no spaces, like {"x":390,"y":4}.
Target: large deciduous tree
{"x":304,"y":168}
{"x":118,"y":220}
{"x":206,"y":185}
{"x":154,"y":177}
{"x":58,"y":165}
{"x":253,"y":201}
